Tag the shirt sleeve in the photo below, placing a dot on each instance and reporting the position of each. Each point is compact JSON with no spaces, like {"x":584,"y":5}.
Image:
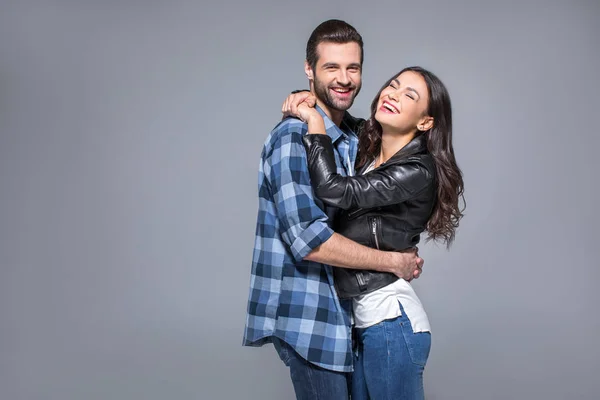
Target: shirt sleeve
{"x":303,"y":225}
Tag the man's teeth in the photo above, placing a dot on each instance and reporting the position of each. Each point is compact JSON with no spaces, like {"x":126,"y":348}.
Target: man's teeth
{"x":392,"y":109}
{"x":341,"y":90}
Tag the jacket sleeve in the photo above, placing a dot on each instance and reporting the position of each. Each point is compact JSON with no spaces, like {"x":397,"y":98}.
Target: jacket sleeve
{"x":392,"y":185}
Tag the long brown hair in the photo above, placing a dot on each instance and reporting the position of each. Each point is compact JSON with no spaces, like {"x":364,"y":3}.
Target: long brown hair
{"x":447,"y":212}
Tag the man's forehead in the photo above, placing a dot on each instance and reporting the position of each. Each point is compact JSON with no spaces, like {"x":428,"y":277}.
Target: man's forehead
{"x":343,"y":52}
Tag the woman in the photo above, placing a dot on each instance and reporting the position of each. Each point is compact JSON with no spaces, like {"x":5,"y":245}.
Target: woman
{"x":407,"y":182}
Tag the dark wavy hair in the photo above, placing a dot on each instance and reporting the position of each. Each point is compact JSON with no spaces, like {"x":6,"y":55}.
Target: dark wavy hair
{"x":447,"y":212}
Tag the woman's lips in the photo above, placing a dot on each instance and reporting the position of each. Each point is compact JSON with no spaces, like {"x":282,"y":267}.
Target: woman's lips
{"x":385,"y":107}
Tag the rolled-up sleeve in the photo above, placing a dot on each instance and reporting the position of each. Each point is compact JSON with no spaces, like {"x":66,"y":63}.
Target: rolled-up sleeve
{"x":303,"y":225}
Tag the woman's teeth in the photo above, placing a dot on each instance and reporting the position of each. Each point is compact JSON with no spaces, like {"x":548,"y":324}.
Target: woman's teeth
{"x":389,"y":107}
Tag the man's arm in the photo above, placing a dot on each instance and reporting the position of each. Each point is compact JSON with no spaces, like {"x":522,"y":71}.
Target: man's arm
{"x":340,"y":251}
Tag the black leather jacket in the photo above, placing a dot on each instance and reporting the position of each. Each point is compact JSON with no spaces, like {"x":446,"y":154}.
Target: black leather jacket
{"x":386,"y":208}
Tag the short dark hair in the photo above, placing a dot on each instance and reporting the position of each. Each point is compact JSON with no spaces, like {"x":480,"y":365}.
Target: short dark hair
{"x":334,"y":31}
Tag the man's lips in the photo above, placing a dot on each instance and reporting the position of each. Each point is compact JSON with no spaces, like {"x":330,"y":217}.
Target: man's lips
{"x":388,"y":107}
{"x":342,"y":92}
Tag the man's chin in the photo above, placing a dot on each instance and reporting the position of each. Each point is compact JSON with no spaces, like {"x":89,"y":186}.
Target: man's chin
{"x":341,"y":105}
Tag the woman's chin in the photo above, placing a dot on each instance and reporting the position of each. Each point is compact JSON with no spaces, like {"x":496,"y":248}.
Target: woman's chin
{"x":382,"y":119}
{"x":388,"y":125}
{"x":385,"y":124}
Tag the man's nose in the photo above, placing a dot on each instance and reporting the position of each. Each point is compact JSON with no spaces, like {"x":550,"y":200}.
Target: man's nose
{"x":343,"y":78}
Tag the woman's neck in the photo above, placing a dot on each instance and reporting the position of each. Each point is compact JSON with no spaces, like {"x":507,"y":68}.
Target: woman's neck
{"x":391,"y":143}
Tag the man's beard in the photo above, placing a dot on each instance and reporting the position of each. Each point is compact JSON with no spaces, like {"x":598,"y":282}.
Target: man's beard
{"x":324,"y":94}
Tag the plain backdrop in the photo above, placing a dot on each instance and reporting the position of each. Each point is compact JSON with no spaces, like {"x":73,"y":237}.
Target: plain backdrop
{"x":130,"y":135}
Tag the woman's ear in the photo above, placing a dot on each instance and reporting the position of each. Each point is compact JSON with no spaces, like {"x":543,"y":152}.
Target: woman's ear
{"x":425,"y":124}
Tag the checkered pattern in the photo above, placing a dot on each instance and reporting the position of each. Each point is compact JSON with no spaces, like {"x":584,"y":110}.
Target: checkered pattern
{"x":290,"y":298}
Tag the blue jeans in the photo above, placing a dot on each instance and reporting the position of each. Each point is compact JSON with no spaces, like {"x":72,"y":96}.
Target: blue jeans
{"x":390,"y":360}
{"x":310,"y":381}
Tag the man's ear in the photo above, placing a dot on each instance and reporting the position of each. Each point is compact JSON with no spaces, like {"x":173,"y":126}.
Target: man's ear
{"x":308,"y":71}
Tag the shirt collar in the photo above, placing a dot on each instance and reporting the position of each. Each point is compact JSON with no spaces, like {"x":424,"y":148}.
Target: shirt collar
{"x":334,"y":131}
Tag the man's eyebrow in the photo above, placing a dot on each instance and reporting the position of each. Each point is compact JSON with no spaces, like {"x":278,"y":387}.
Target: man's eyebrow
{"x":354,"y":65}
{"x":330,"y":64}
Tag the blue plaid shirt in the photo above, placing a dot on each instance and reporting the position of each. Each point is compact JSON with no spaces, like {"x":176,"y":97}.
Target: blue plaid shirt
{"x":290,"y":298}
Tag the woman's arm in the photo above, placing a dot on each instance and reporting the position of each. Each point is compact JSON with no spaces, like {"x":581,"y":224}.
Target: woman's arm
{"x":391,"y":185}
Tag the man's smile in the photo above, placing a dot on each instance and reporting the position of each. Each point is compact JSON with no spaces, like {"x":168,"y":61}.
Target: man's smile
{"x":342,"y":92}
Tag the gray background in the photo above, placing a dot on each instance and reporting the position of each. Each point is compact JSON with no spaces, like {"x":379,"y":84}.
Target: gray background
{"x":129,"y":147}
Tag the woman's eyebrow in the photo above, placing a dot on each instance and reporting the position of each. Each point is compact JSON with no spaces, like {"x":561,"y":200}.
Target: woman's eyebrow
{"x":407,"y":88}
{"x":413,"y":90}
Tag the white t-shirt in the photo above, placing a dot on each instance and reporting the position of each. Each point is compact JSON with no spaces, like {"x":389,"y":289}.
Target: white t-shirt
{"x":372,"y":308}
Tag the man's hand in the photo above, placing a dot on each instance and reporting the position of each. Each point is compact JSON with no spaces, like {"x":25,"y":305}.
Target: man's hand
{"x":407,"y":264}
{"x":340,"y":251}
{"x":291,"y":103}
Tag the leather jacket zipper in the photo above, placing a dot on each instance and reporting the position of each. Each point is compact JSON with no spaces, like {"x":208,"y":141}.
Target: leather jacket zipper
{"x":374,"y":231}
{"x":362,"y":285}
{"x":356,"y":213}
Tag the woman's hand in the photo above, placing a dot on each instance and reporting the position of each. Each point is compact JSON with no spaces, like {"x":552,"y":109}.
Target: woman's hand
{"x":313,"y":119}
{"x":291,"y":103}
{"x":302,"y":105}
{"x":307,"y":113}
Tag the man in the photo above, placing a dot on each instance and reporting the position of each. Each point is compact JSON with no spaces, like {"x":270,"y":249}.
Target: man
{"x":292,"y":301}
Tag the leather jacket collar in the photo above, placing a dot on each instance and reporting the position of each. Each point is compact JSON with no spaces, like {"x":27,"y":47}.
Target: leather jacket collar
{"x":416,"y":146}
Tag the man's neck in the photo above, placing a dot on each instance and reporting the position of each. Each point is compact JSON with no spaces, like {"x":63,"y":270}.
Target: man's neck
{"x":334,"y":115}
